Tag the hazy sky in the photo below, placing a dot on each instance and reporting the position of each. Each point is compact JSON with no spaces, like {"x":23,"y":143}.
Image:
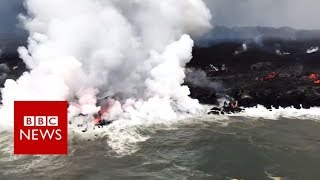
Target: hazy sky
{"x":303,"y":14}
{"x":9,"y":9}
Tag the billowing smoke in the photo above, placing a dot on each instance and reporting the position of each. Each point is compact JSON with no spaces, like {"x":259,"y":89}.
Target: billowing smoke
{"x":84,"y":50}
{"x":4,"y":69}
{"x":199,"y":78}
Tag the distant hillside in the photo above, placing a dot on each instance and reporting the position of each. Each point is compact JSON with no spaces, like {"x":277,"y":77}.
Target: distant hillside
{"x":255,"y":34}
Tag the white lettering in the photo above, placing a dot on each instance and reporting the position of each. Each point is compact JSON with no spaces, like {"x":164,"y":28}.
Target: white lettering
{"x":58,"y":134}
{"x":41,"y":120}
{"x":28,"y":121}
{"x":34,"y":134}
{"x":27,"y":136}
{"x":47,"y":133}
{"x":52,"y":120}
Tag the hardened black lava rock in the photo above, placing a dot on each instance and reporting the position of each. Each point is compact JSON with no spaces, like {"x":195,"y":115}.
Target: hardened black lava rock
{"x":276,"y":73}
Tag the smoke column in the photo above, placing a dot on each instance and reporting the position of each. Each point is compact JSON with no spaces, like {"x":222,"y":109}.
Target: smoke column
{"x":82,"y":50}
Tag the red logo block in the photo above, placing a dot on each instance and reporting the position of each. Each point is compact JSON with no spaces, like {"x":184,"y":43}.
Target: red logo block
{"x":40,"y":127}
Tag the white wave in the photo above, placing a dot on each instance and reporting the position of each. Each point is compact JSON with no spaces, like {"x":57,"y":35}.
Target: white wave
{"x":274,"y":114}
{"x":312,"y":50}
{"x":124,"y":134}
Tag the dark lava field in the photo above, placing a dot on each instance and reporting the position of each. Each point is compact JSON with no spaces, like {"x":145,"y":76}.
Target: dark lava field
{"x":271,"y":72}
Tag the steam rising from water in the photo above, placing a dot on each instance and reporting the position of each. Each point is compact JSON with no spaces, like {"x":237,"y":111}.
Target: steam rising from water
{"x":83,"y":50}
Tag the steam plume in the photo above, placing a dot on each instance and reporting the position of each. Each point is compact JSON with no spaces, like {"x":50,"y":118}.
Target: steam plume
{"x":82,"y":50}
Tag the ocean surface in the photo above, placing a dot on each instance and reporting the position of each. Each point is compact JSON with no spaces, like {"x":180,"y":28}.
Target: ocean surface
{"x":199,"y":148}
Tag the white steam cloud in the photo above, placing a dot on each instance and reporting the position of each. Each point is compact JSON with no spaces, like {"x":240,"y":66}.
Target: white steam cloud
{"x":82,"y":50}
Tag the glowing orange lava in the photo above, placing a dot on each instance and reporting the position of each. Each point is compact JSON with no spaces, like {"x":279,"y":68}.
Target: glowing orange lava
{"x":98,"y":117}
{"x":317,"y":82}
{"x":314,"y":76}
{"x":269,"y":76}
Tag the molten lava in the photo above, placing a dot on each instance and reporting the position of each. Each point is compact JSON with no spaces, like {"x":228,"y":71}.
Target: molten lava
{"x":105,"y":107}
{"x":317,"y":82}
{"x":314,"y":76}
{"x":234,"y":105}
{"x":97,"y":118}
{"x":270,"y":76}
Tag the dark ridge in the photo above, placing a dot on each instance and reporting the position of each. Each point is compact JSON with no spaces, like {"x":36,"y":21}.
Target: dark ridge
{"x":257,"y":34}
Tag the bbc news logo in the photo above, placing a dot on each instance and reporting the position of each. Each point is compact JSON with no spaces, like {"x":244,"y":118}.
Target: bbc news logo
{"x":40,"y":127}
{"x":36,"y":134}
